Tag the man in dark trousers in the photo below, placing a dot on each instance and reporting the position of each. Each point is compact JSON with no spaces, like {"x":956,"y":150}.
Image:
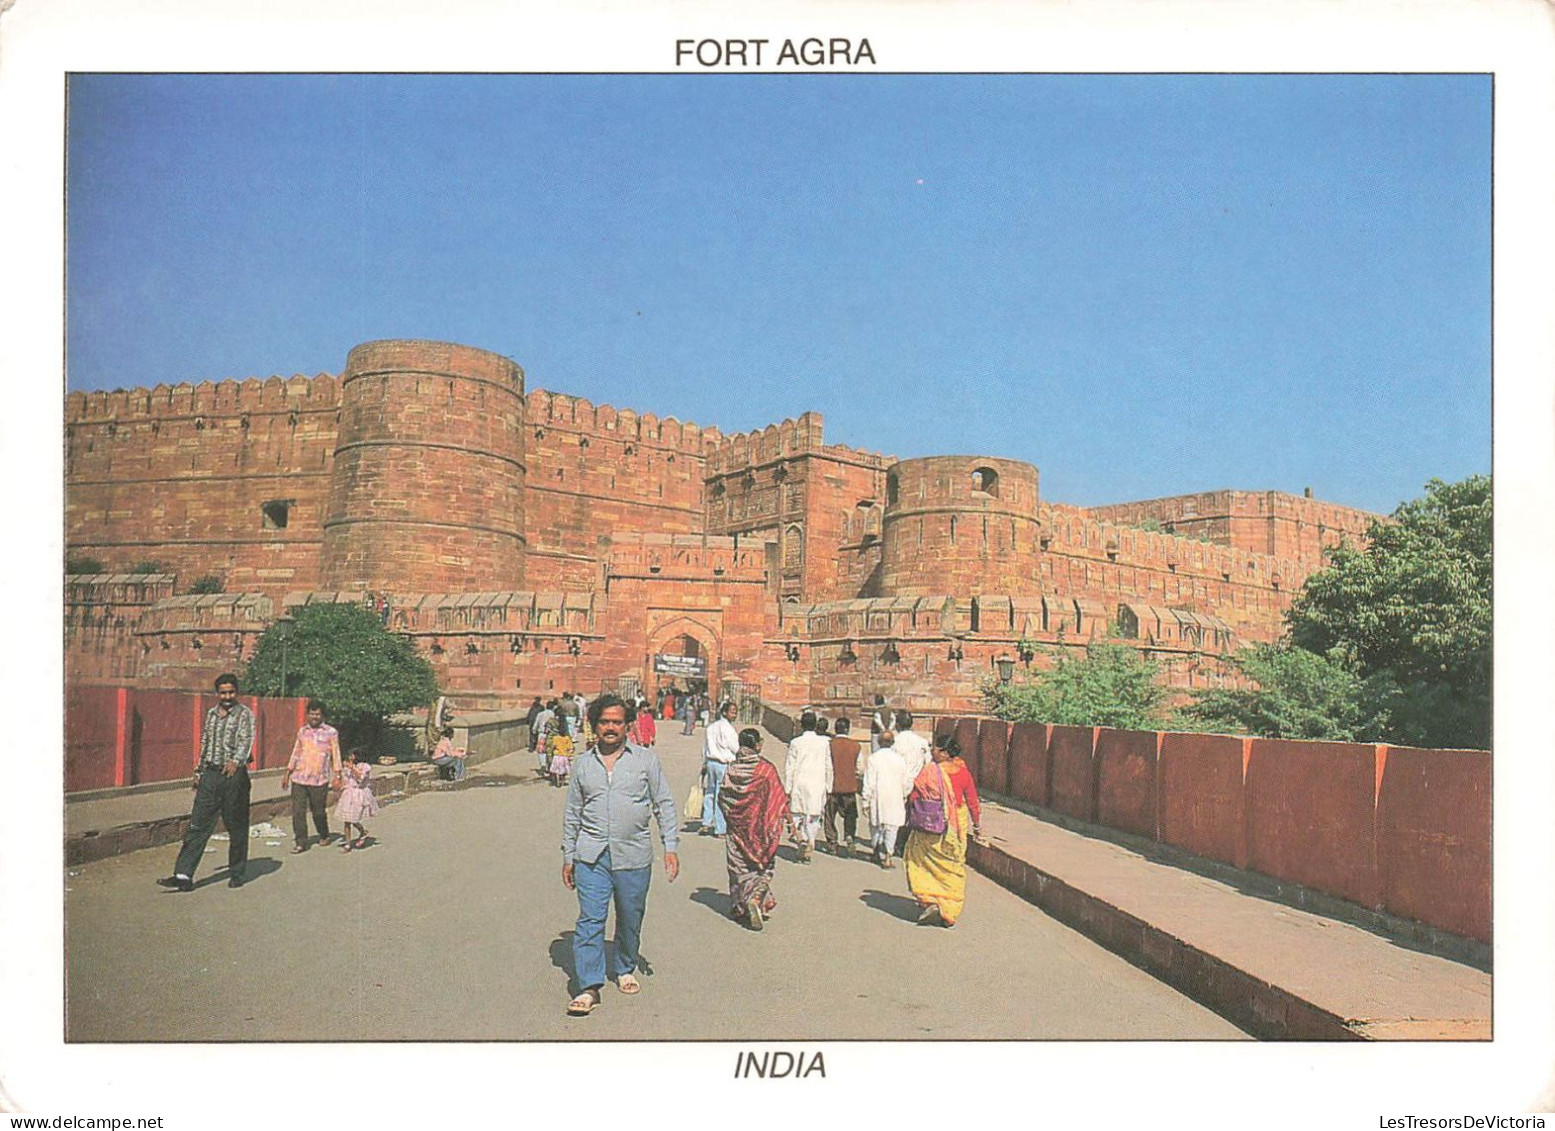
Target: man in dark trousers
{"x":221,"y":786}
{"x":842,"y":801}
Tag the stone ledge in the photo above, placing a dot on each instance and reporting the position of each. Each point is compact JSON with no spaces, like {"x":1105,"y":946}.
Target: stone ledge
{"x":1265,"y":1010}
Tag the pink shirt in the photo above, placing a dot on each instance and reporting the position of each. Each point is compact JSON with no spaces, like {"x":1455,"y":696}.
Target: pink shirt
{"x":315,"y":756}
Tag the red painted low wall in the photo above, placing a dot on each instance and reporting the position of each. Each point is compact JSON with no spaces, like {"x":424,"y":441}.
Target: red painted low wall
{"x":1126,"y":780}
{"x":966,"y":735}
{"x":1028,"y":763}
{"x":160,"y":734}
{"x":1310,"y":813}
{"x":993,"y":755}
{"x":91,"y":732}
{"x":1390,"y":828}
{"x":1433,"y":837}
{"x":1201,"y":800}
{"x":1071,"y":755}
{"x":166,"y":729}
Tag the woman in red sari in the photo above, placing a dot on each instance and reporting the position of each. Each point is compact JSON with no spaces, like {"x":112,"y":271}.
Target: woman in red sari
{"x":755,"y":807}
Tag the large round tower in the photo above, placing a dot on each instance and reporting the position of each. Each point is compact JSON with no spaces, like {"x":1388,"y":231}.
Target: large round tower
{"x":427,"y":494}
{"x":959,"y":525}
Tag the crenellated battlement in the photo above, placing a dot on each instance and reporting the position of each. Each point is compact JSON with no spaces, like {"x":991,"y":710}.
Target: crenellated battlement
{"x":776,"y":441}
{"x":578,"y":414}
{"x":226,"y":397}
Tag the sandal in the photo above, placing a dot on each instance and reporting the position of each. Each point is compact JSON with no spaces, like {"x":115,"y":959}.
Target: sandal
{"x":628,"y":984}
{"x":583,"y":1004}
{"x":346,"y":847}
{"x":360,"y":842}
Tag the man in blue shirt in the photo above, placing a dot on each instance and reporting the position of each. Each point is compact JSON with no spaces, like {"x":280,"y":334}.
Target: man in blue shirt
{"x":607,"y":848}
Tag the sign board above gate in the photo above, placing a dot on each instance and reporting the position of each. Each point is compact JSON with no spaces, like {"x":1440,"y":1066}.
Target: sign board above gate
{"x":682,"y":667}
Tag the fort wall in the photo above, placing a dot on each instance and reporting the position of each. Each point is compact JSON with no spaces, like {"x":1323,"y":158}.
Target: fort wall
{"x":596,"y":470}
{"x":426,"y":478}
{"x":227,"y":478}
{"x":1294,"y":528}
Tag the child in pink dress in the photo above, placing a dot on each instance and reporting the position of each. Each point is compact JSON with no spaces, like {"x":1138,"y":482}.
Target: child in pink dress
{"x":356,"y":800}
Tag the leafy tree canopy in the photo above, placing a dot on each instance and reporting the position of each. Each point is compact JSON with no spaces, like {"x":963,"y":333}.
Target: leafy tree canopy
{"x":1112,"y":686}
{"x":1411,"y":615}
{"x":1293,"y":694}
{"x":342,"y":655}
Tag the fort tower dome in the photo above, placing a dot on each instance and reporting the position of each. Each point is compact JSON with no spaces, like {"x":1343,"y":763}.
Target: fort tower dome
{"x":427,"y":493}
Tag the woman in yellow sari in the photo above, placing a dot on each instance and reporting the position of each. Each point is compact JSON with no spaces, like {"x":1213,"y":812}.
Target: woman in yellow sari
{"x":942,"y":807}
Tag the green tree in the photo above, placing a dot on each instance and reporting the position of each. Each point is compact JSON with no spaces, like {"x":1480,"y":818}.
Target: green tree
{"x":210,"y":583}
{"x":1293,"y":694}
{"x":83,"y":564}
{"x":1113,"y":686}
{"x":1411,"y":615}
{"x":342,"y":654}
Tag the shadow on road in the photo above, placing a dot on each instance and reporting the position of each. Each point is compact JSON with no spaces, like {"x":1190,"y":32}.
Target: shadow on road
{"x":257,"y":866}
{"x":714,"y":899}
{"x":899,"y":906}
{"x":561,"y":958}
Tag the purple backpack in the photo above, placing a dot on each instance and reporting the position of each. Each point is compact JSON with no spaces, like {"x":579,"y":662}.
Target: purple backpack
{"x":926,"y":812}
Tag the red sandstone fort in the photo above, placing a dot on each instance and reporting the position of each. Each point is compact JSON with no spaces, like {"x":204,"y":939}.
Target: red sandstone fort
{"x":530,"y":543}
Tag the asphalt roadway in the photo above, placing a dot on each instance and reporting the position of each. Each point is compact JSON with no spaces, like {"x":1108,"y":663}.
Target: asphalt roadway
{"x":454,"y":925}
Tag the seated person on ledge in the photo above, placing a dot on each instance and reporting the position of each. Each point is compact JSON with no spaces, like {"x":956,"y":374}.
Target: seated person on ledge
{"x":449,"y":762}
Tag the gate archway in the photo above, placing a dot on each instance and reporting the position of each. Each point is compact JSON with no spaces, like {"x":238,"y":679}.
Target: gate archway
{"x":682,"y":636}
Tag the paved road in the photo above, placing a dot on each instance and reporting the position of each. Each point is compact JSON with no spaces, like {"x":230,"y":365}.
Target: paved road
{"x":455,"y":925}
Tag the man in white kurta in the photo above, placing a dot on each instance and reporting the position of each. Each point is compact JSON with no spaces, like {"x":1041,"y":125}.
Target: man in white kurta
{"x":886,"y":786}
{"x":807,"y":778}
{"x":911,"y":745}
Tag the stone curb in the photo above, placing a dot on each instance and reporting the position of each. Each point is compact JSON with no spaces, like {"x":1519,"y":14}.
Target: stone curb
{"x":99,"y":844}
{"x":1262,"y":1009}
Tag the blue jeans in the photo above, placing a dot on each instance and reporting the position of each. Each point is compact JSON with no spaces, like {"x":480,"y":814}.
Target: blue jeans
{"x":596,"y":884}
{"x":712,"y":815}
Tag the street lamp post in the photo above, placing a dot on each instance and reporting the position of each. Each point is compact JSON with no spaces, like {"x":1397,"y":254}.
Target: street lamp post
{"x":283,"y":632}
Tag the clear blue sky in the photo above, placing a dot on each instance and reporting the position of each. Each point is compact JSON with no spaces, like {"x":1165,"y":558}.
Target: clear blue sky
{"x":1143,"y":285}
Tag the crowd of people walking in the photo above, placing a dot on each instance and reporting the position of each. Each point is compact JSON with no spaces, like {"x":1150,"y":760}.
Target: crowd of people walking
{"x":920,"y":799}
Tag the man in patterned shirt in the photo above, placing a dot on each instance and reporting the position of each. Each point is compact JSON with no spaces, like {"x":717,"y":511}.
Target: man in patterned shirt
{"x":314,"y":767}
{"x":220,"y":786}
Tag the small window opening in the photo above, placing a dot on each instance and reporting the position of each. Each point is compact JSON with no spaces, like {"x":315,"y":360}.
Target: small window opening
{"x":275,"y":513}
{"x":985,"y":481}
